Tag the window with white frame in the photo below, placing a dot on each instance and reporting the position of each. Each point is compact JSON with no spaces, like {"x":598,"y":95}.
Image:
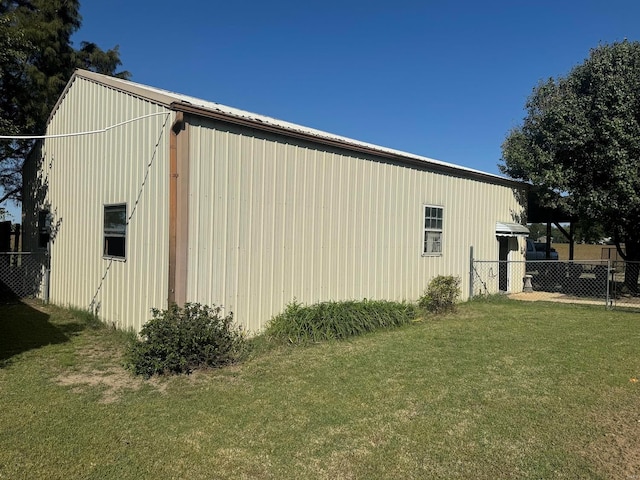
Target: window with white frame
{"x":115,"y":231}
{"x":432,"y":243}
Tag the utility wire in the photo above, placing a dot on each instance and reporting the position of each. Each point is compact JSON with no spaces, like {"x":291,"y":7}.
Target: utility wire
{"x":77,"y":134}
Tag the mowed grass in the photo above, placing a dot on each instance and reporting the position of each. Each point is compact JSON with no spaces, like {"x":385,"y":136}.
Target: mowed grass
{"x":500,"y":389}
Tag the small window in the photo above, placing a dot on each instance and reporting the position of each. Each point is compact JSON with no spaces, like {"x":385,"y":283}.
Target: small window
{"x":44,"y":228}
{"x":115,"y":231}
{"x":432,"y":243}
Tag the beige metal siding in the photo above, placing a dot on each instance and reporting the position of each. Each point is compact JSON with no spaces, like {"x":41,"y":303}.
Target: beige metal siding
{"x":273,"y":219}
{"x":127,"y":164}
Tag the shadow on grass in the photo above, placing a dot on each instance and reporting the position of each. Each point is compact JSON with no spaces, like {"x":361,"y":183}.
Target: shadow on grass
{"x":24,"y":328}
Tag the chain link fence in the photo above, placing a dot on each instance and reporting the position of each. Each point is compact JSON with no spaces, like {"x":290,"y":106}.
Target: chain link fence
{"x":569,"y":281}
{"x":625,"y":285}
{"x":606,"y":282}
{"x":24,"y":275}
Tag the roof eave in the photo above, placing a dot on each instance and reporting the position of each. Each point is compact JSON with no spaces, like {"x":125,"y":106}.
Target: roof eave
{"x":168,"y":100}
{"x":343,"y":144}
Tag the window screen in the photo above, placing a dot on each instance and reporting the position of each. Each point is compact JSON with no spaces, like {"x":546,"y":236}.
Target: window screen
{"x":115,"y":231}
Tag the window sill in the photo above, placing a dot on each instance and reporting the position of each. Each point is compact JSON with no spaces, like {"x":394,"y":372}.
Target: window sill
{"x":117,"y":259}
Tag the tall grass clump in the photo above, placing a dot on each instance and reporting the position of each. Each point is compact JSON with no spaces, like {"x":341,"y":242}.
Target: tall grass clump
{"x":90,"y":319}
{"x":441,"y":294}
{"x":300,"y":323}
{"x":180,"y":339}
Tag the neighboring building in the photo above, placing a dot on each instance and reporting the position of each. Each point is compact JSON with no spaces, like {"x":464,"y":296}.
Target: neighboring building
{"x":163,"y":197}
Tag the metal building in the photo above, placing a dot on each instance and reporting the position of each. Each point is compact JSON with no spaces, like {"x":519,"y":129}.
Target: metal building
{"x":147,"y":197}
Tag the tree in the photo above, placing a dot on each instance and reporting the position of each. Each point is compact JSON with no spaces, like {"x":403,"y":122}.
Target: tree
{"x":539,"y":230}
{"x":585,"y":231}
{"x":14,"y":47}
{"x":589,"y":231}
{"x":36,"y":60}
{"x":580,"y":142}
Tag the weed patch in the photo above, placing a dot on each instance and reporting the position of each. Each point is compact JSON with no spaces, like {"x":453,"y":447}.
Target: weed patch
{"x":337,"y":320}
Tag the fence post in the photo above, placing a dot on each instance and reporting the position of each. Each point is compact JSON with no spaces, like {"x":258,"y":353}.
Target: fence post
{"x":609,"y":272}
{"x":47,"y":273}
{"x":470,"y":272}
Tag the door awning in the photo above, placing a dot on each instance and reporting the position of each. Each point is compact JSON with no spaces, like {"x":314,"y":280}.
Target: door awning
{"x":511,"y":229}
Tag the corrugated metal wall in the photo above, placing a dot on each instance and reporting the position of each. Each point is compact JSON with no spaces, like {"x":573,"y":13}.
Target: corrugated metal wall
{"x":79,"y":175}
{"x":273,"y":219}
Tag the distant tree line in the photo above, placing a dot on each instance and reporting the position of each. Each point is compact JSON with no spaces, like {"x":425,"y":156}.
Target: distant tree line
{"x":583,"y":233}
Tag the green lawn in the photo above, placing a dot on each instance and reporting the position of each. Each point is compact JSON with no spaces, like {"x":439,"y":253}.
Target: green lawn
{"x":499,"y":390}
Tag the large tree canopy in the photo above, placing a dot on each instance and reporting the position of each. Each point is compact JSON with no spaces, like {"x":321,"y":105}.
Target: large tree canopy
{"x":580,"y":141}
{"x":36,"y":60}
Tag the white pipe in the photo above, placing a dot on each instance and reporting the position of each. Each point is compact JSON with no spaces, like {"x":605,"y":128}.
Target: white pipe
{"x":76,"y":134}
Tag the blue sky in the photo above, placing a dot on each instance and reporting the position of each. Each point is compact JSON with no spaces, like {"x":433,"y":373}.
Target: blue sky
{"x":446,"y":80}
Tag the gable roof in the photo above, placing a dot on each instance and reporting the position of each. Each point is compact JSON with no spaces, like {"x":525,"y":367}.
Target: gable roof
{"x":207,"y":109}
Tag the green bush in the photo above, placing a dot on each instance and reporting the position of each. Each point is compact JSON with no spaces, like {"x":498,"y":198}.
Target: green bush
{"x":441,"y":294}
{"x":177,"y":340}
{"x":336,"y":320}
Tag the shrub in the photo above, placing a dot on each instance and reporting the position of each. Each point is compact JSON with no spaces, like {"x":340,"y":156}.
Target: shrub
{"x":336,"y":320}
{"x":441,"y":294}
{"x":177,"y":340}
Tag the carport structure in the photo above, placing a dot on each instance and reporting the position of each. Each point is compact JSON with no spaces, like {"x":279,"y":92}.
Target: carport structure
{"x":559,"y":215}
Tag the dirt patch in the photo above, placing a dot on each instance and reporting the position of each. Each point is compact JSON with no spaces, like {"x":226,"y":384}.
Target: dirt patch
{"x":113,"y":382}
{"x":555,"y":297}
{"x":101,"y":368}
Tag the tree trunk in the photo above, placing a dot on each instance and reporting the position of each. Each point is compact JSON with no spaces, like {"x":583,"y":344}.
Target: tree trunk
{"x":632,"y":265}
